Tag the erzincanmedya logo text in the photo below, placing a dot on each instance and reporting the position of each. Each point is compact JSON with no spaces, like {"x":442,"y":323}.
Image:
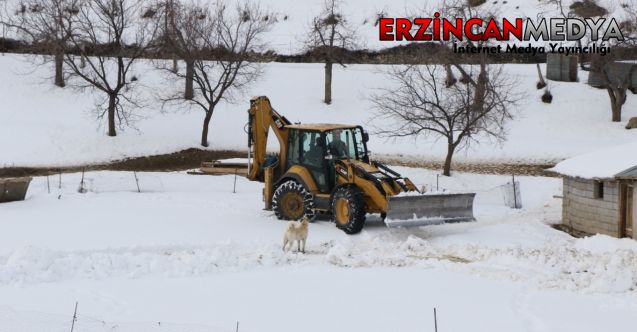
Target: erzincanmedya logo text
{"x":552,"y":30}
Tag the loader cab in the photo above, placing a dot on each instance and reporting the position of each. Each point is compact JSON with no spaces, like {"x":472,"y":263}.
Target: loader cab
{"x":349,"y":143}
{"x":316,"y":147}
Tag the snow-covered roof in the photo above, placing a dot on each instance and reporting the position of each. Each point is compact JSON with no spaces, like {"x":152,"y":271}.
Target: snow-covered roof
{"x":602,"y":164}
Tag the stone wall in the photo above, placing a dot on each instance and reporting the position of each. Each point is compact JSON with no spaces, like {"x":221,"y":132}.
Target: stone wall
{"x":585,"y":213}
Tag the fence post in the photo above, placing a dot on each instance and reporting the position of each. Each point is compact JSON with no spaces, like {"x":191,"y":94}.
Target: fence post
{"x":74,"y":317}
{"x":437,"y":182}
{"x":82,"y":190}
{"x":515,"y":194}
{"x":136,"y":181}
{"x":435,"y":321}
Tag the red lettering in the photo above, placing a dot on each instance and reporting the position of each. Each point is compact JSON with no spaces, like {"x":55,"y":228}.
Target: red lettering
{"x":492,"y":31}
{"x":403,"y":27}
{"x":449,"y":28}
{"x":468,"y":29}
{"x":509,"y":29}
{"x":424,"y":25}
{"x":436,"y":26}
{"x":386,"y":28}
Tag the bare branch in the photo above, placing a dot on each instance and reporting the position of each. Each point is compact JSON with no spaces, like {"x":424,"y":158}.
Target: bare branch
{"x":416,"y":103}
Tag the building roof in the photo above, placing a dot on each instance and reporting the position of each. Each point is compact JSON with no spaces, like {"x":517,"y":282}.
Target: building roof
{"x":320,"y":126}
{"x":619,"y":161}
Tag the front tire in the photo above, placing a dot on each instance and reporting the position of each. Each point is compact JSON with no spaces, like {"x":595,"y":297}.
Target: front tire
{"x":291,"y":201}
{"x":348,"y":209}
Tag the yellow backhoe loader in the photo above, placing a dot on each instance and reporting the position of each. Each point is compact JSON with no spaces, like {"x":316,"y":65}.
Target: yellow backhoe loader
{"x":325,"y":168}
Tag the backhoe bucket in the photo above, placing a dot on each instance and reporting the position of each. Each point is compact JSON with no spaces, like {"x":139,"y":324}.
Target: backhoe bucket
{"x":422,"y":210}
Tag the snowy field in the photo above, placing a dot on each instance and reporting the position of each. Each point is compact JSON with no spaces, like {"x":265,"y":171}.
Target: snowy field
{"x":41,"y":125}
{"x":186,"y":254}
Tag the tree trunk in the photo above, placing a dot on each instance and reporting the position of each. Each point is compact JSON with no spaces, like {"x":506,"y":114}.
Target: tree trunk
{"x":447,"y":167}
{"x":541,"y":77}
{"x":175,"y":69}
{"x":480,"y":91}
{"x":617,"y":99}
{"x":59,"y":74}
{"x":190,"y":75}
{"x":328,"y":82}
{"x":204,"y":132}
{"x":580,"y":56}
{"x":112,"y":101}
{"x":451,"y":79}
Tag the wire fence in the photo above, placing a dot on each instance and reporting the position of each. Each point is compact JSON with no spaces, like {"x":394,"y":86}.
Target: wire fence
{"x":59,"y":183}
{"x":507,"y":194}
{"x":14,"y":321}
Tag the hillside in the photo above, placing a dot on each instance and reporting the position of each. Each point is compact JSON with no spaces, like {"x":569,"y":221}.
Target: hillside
{"x":46,"y":126}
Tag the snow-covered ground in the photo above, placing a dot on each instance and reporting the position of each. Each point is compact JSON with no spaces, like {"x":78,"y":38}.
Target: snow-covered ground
{"x":45,"y":126}
{"x":186,"y":254}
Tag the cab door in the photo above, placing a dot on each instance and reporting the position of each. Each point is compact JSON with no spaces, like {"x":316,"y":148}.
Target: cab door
{"x":307,"y":148}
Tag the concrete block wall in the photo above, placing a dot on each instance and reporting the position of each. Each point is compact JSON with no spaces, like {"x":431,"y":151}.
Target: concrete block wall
{"x":585,"y":213}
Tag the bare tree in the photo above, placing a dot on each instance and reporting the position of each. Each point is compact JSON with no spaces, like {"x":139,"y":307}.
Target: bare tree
{"x":616,"y":82}
{"x":46,"y":24}
{"x":217,"y":42}
{"x":419,"y":103}
{"x":330,"y":36}
{"x":169,"y":40}
{"x":443,"y":55}
{"x":179,"y":39}
{"x":115,"y":34}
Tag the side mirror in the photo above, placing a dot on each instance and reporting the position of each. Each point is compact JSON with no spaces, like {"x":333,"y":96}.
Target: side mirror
{"x":365,"y":137}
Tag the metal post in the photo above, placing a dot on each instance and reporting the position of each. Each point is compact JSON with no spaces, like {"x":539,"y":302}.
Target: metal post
{"x":48,"y":184}
{"x":437,"y":182}
{"x":60,"y":179}
{"x":82,"y":190}
{"x":74,"y":317}
{"x":237,"y":329}
{"x":515,"y":196}
{"x":136,"y":181}
{"x":234,"y":188}
{"x":435,"y":321}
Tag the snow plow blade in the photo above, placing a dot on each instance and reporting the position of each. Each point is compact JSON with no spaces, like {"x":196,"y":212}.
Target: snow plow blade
{"x":422,"y":210}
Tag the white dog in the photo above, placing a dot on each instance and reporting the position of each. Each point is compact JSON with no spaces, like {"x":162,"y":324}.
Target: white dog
{"x":296,"y":231}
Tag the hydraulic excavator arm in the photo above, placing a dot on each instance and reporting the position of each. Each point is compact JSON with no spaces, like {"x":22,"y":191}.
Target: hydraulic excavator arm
{"x":261,"y":118}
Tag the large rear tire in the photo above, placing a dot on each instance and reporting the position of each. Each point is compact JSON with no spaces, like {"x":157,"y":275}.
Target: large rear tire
{"x":291,"y":201}
{"x":348,"y":209}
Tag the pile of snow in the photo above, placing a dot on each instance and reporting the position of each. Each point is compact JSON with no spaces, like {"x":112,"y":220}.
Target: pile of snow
{"x":206,"y":231}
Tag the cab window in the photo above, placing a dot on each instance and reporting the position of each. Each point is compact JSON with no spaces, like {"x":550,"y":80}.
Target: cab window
{"x":340,"y":144}
{"x":312,"y":149}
